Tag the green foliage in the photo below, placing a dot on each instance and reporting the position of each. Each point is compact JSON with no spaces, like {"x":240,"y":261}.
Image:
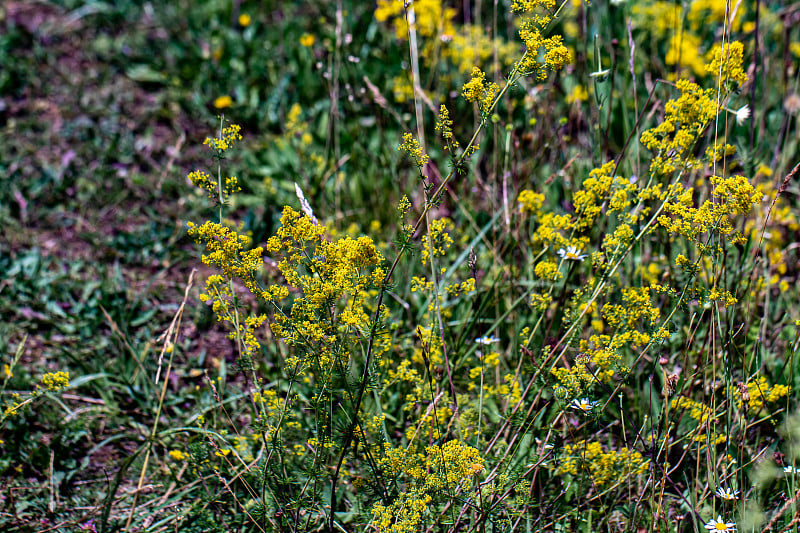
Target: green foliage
{"x":564,"y":343}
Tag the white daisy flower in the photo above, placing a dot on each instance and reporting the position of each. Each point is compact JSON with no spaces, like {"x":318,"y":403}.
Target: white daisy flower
{"x":720,"y":525}
{"x":583,"y":404}
{"x":572,"y":253}
{"x":742,"y":114}
{"x":727,"y":494}
{"x":486,"y":340}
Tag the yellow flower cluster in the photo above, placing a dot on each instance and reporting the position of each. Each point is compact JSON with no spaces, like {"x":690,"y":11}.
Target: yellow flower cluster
{"x":55,"y":381}
{"x":593,"y":193}
{"x":178,"y":455}
{"x":438,"y":240}
{"x":464,"y":287}
{"x":683,"y":51}
{"x":619,"y":239}
{"x":293,"y":126}
{"x":633,"y":317}
{"x":431,"y":18}
{"x":202,"y":180}
{"x":444,"y":125}
{"x":227,"y":251}
{"x":307,"y":40}
{"x":530,"y":202}
{"x":704,"y":417}
{"x":636,"y":305}
{"x":696,"y":410}
{"x":758,"y":393}
{"x":703,"y":13}
{"x":597,"y":363}
{"x":444,"y":469}
{"x":478,"y":90}
{"x":605,"y":468}
{"x":598,"y":190}
{"x":725,"y":62}
{"x":662,"y":17}
{"x":431,"y":347}
{"x":531,"y":31}
{"x":333,"y":280}
{"x":507,"y":392}
{"x":549,"y":230}
{"x":441,"y":39}
{"x":723,"y":297}
{"x":540,"y":302}
{"x":421,"y":283}
{"x":411,"y":147}
{"x":218,"y":291}
{"x":223,"y":102}
{"x":404,"y":515}
{"x":685,"y":120}
{"x":403,"y":206}
{"x":403,"y":372}
{"x":229,"y":135}
{"x":547,"y":270}
{"x":471,"y":45}
{"x":577,"y":95}
{"x":732,"y":196}
{"x":453,"y":465}
{"x":600,"y":356}
{"x":715,"y":154}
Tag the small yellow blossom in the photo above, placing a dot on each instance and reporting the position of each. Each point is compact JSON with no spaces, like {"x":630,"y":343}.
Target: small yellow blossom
{"x":244,"y":20}
{"x":307,"y":40}
{"x":223,"y":102}
{"x":177,"y":455}
{"x":578,"y":94}
{"x":55,"y":381}
{"x":529,"y":201}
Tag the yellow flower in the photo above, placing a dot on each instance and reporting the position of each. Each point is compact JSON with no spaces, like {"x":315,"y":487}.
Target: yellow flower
{"x":223,"y":101}
{"x":529,"y":201}
{"x":55,"y":381}
{"x":8,"y":372}
{"x":578,"y":94}
{"x":477,"y":89}
{"x":307,"y":40}
{"x":412,"y":147}
{"x":177,"y":455}
{"x":244,"y":20}
{"x":226,"y":139}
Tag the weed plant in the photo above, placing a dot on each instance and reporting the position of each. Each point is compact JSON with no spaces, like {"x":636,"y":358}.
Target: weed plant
{"x":570,"y":308}
{"x":628,"y":393}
